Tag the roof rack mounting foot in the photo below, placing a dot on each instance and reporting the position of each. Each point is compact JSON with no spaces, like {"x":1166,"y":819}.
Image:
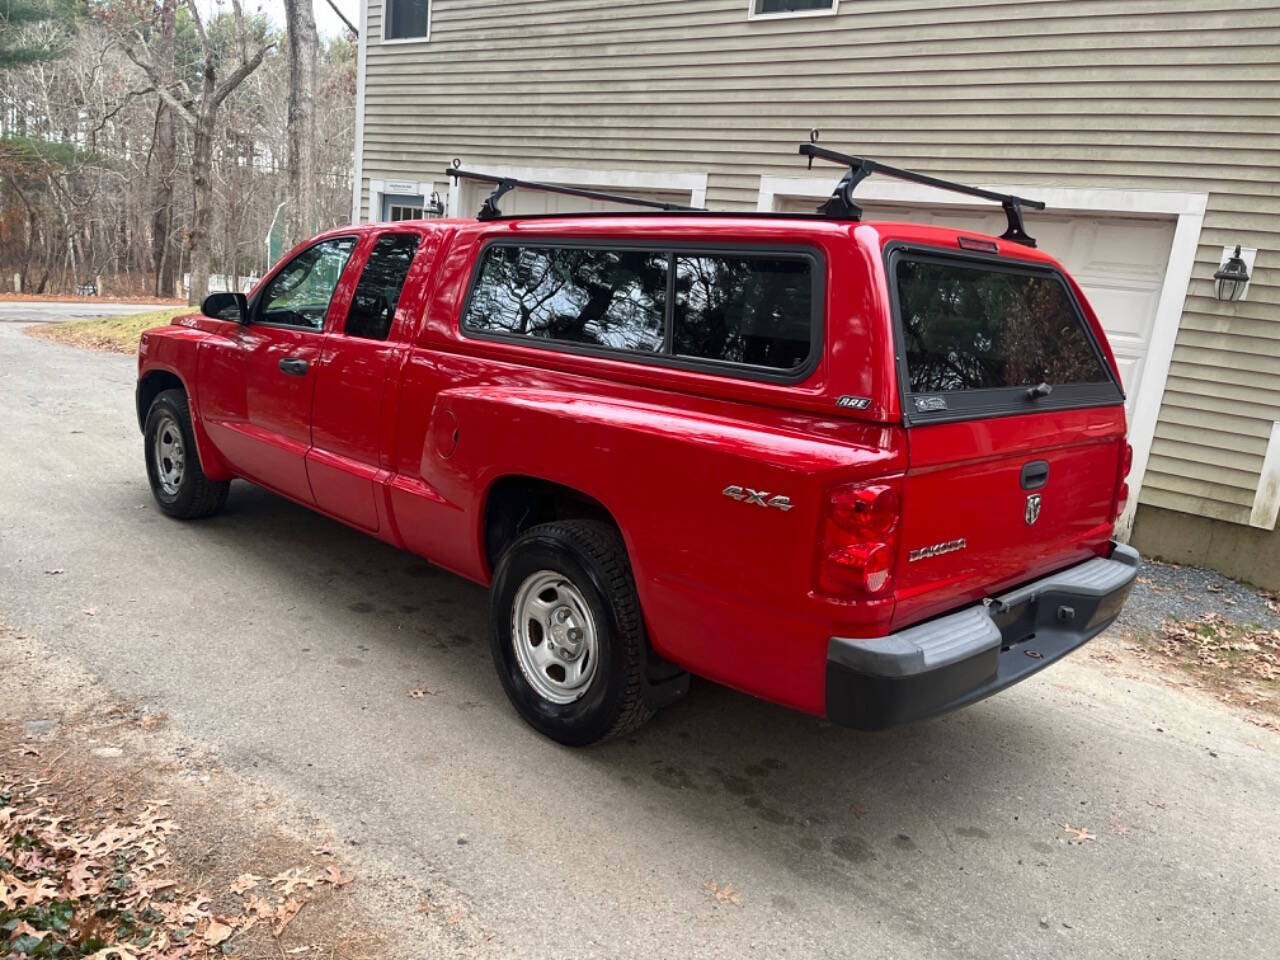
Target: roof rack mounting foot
{"x":1017,"y":231}
{"x":490,"y":211}
{"x":841,"y":204}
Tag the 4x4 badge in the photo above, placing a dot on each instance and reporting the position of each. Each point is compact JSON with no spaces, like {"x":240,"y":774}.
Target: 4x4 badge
{"x":1033,"y":509}
{"x":760,"y":498}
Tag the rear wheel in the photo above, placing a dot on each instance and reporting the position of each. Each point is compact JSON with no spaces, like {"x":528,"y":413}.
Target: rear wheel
{"x":568,"y":639}
{"x":173,"y":466}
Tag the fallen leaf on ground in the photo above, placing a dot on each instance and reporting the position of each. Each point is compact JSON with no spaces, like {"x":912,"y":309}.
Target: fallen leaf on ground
{"x":335,"y":877}
{"x":216,"y":933}
{"x":245,"y":882}
{"x":284,"y":914}
{"x":291,"y":879}
{"x":420,"y":692}
{"x":1078,"y":834}
{"x":723,"y":894}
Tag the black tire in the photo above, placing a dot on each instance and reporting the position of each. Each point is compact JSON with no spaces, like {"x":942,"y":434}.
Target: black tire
{"x":591,"y":556}
{"x":193,"y":494}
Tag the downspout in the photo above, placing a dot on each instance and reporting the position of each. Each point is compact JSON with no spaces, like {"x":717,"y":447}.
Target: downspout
{"x":358,"y":160}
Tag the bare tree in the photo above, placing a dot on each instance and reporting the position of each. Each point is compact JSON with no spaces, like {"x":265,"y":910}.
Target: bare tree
{"x":83,"y":160}
{"x":199,"y":110}
{"x":164,"y":153}
{"x":304,"y":45}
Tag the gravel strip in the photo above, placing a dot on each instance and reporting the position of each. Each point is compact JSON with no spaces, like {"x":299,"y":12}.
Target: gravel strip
{"x":1167,"y":590}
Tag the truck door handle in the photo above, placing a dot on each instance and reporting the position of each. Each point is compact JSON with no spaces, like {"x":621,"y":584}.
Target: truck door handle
{"x":1035,"y":474}
{"x":294,"y":366}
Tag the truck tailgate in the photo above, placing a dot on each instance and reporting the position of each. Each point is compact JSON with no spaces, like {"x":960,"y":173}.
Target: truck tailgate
{"x":990,"y":503}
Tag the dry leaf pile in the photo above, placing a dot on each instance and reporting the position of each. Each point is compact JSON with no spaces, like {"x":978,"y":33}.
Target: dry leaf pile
{"x":71,"y":889}
{"x":1217,"y":643}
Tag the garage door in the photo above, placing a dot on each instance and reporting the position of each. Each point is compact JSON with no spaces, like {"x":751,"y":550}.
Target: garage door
{"x":530,"y":202}
{"x":1119,"y":261}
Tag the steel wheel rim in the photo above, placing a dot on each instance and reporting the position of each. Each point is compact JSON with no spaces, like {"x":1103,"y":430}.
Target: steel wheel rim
{"x":556,"y":642}
{"x":170,"y":455}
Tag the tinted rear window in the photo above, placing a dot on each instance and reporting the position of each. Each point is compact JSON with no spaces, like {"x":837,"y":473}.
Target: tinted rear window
{"x":970,"y":327}
{"x":606,"y":298}
{"x":755,"y":310}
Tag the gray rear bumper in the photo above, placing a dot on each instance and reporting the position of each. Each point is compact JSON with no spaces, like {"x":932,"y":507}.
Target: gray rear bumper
{"x":970,"y":654}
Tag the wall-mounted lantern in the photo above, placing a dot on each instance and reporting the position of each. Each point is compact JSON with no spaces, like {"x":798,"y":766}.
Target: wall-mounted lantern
{"x":1231,"y":282}
{"x":435,"y":207}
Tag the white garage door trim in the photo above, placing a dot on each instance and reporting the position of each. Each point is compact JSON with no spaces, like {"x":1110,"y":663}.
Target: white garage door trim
{"x":1187,"y":208}
{"x":695,"y":184}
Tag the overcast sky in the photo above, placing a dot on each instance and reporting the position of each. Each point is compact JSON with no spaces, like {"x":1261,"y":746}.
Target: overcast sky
{"x":327,"y":21}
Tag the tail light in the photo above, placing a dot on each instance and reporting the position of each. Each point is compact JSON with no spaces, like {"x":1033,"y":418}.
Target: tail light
{"x":1126,"y":464}
{"x":859,"y":542}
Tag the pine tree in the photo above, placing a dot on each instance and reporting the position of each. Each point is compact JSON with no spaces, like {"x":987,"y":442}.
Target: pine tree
{"x":16,"y":49}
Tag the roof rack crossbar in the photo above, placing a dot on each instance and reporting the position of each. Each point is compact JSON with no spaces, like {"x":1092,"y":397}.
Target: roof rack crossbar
{"x":841,"y":203}
{"x":504,"y":185}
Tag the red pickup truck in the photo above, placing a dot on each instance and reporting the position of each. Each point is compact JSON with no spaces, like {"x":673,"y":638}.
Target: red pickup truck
{"x":866,"y":470}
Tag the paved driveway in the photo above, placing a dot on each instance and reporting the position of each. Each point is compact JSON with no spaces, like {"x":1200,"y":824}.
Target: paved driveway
{"x":288,"y":643}
{"x":49,"y":311}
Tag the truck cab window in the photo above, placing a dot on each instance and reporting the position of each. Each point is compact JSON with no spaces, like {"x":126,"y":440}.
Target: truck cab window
{"x":299,"y":295}
{"x":374,"y":305}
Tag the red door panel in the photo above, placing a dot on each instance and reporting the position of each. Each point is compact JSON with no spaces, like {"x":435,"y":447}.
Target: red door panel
{"x":257,"y":413}
{"x":353,"y":417}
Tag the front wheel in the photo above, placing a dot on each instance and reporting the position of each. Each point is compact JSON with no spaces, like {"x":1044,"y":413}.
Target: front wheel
{"x":568,"y":639}
{"x":173,"y":466}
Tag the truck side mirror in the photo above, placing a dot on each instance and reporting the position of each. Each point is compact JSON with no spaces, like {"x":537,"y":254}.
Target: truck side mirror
{"x":226,"y":306}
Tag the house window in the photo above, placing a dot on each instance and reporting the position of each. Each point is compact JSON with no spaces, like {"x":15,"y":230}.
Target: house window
{"x":770,"y":8}
{"x":402,"y":206}
{"x":407,"y":19}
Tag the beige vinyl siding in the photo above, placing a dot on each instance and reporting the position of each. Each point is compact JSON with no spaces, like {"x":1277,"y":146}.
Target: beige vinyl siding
{"x":1123,"y":94}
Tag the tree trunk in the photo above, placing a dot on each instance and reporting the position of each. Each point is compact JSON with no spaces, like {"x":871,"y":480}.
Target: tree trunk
{"x":165,"y":154}
{"x":304,"y":45}
{"x":199,"y":246}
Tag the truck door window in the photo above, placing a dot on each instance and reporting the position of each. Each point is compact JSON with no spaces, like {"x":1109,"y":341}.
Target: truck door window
{"x":754,"y":310}
{"x":597,"y":297}
{"x":374,"y":305}
{"x":299,"y":295}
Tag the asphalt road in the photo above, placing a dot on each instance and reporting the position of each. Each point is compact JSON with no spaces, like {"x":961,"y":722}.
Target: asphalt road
{"x":288,"y":643}
{"x":50,"y":311}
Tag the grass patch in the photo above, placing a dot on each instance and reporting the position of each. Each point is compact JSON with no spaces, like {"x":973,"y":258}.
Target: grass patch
{"x":113,"y":334}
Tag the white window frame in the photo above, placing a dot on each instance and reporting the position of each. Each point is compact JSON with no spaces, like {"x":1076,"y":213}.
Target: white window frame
{"x":380,"y":188}
{"x":431,"y":4}
{"x":790,"y":14}
{"x":695,"y":184}
{"x":1188,"y":209}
